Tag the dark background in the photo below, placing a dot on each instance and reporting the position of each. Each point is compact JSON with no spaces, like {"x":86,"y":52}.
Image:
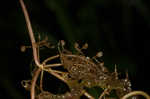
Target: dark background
{"x":119,"y":28}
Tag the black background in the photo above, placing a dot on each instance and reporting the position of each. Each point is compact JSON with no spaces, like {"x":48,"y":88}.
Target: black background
{"x":119,"y":28}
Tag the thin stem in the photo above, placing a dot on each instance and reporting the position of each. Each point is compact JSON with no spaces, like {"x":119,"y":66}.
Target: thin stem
{"x":88,"y":95}
{"x":30,"y":31}
{"x":53,"y":65}
{"x":55,"y":74}
{"x":50,"y":58}
{"x":60,"y":72}
{"x":35,"y":52}
{"x":41,"y":81}
{"x":134,"y":93}
{"x":34,"y":79}
{"x":103,"y":94}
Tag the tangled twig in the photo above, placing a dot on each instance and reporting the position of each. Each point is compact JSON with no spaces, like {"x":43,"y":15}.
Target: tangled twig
{"x":81,"y":72}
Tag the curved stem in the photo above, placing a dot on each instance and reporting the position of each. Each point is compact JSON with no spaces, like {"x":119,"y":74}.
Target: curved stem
{"x":49,"y":58}
{"x":34,"y":79}
{"x":30,"y":31}
{"x":136,"y":93}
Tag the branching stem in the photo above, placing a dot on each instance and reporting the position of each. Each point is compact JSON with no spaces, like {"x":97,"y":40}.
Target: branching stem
{"x":30,"y":31}
{"x":44,"y":67}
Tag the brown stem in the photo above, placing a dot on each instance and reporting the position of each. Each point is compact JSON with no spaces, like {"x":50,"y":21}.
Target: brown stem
{"x":41,"y":81}
{"x":88,"y":95}
{"x":34,"y":79}
{"x":103,"y":94}
{"x":52,"y":65}
{"x":30,"y":31}
{"x":134,"y":93}
{"x":35,"y":52}
{"x":49,"y":58}
{"x":55,"y":74}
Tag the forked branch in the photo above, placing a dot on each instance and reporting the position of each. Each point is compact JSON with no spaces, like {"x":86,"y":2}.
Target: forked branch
{"x":30,"y":31}
{"x":92,"y":67}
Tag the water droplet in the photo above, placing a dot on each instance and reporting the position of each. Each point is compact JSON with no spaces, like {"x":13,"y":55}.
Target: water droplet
{"x":124,"y":89}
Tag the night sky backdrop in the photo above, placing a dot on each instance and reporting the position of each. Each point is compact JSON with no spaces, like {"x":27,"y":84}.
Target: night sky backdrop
{"x":119,"y":28}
